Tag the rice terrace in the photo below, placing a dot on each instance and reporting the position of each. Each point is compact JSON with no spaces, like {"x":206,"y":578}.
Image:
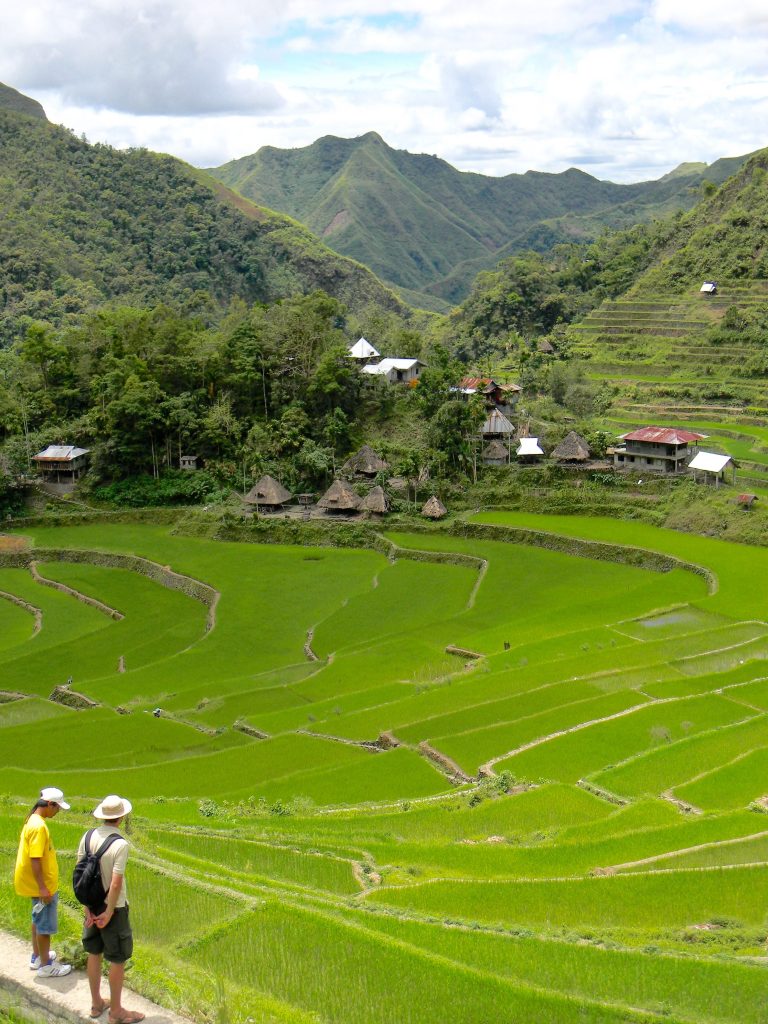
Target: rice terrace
{"x":508,"y":770}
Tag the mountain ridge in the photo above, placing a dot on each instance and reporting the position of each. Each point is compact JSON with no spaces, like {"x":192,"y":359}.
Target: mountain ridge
{"x":427,"y":228}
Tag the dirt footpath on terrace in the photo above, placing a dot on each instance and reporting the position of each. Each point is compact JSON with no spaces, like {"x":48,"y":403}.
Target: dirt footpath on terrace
{"x":61,"y":999}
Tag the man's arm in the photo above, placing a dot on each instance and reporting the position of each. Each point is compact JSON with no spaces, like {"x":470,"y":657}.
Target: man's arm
{"x":115,"y":887}
{"x":37,"y":870}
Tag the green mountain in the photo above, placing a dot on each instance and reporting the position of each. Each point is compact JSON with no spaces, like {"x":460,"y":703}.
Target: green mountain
{"x":10,"y":99}
{"x":428,"y":228}
{"x":85,"y":225}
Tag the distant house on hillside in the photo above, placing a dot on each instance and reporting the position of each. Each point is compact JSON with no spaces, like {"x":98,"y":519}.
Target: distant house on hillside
{"x":497,"y":426}
{"x":434,"y":508}
{"x":375,"y":501}
{"x":188,"y":462}
{"x":656,"y":449}
{"x":495,"y":394}
{"x":268,"y":494}
{"x":709,"y":288}
{"x":61,"y":463}
{"x":339,"y":498}
{"x":529,"y":449}
{"x":545,"y":347}
{"x":572,"y":449}
{"x":396,"y":371}
{"x":495,"y":454}
{"x":366,"y":462}
{"x":363,"y":349}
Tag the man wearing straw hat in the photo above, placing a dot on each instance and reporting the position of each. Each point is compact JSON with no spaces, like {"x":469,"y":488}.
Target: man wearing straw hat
{"x":37,"y":876}
{"x":108,"y":932}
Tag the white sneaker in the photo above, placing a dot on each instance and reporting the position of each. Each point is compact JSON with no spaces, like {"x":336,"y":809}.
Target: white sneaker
{"x":34,"y":963}
{"x":54,"y":970}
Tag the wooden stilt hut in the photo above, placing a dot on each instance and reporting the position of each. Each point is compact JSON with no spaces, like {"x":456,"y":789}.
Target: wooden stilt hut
{"x":572,"y":449}
{"x":268,"y":494}
{"x":365,"y":462}
{"x":434,"y":508}
{"x":339,"y":498}
{"x":375,"y":501}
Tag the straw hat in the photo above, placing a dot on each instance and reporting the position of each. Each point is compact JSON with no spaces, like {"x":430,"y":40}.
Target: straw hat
{"x":113,"y":807}
{"x":54,"y":796}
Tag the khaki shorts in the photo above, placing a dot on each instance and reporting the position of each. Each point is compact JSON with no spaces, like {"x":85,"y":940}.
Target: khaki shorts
{"x":115,"y":941}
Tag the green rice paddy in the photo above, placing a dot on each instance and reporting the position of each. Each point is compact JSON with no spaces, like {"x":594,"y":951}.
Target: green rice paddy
{"x":334,"y":814}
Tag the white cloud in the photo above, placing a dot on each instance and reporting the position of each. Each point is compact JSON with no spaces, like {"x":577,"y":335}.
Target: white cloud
{"x":629,"y":87}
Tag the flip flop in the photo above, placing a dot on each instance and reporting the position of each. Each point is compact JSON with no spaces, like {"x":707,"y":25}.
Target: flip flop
{"x":97,"y":1013}
{"x":129,"y":1017}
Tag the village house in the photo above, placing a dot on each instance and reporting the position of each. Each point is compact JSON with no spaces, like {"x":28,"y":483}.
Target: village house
{"x":656,"y":449}
{"x":396,"y":371}
{"x":363,"y":349}
{"x":505,"y":396}
{"x":497,"y":426}
{"x":339,"y":498}
{"x":61,"y":463}
{"x":364,"y":463}
{"x":188,"y":462}
{"x":573,"y":450}
{"x":529,"y":449}
{"x":495,"y":454}
{"x":268,"y":494}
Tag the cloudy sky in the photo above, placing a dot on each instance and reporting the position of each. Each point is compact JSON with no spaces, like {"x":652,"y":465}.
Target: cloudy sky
{"x":625,"y":89}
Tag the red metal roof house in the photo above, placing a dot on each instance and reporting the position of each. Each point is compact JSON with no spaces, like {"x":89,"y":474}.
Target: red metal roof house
{"x":656,"y":449}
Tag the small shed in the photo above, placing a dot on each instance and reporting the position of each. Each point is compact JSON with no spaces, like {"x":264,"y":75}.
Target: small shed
{"x":529,"y":450}
{"x":188,"y":462}
{"x":746,"y":501}
{"x":267,"y":492}
{"x":495,"y":454}
{"x":365,"y":462}
{"x":708,"y":288}
{"x":545,"y":347}
{"x":434,"y":508}
{"x":363,"y":349}
{"x":339,"y":498}
{"x":375,"y":501}
{"x":497,"y":425}
{"x":712,"y":467}
{"x":572,"y":449}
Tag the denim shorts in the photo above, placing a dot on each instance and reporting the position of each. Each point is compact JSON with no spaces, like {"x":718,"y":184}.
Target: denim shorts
{"x":46,"y":922}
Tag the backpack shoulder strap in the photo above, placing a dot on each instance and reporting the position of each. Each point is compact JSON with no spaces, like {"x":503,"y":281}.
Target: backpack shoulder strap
{"x":87,"y":842}
{"x":106,"y":845}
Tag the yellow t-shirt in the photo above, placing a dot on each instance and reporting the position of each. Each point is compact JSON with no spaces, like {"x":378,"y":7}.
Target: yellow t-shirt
{"x":35,"y":841}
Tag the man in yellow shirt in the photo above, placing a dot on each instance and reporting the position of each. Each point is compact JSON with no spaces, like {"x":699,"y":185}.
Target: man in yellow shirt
{"x":37,"y":876}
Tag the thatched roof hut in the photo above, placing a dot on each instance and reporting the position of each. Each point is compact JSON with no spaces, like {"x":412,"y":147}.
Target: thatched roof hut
{"x":267,"y":491}
{"x":375,"y":501}
{"x":497,"y":425}
{"x":339,"y":498}
{"x":434,"y":508}
{"x":573,"y":448}
{"x":366,"y":462}
{"x":495,"y":454}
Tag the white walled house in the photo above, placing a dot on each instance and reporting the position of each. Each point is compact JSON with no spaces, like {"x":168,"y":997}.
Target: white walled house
{"x":396,"y":371}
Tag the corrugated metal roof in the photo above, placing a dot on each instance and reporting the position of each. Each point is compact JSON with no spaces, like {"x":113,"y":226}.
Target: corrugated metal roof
{"x":529,"y":446}
{"x":391,"y":364}
{"x":663,"y":435}
{"x":709,"y":462}
{"x":60,"y":453}
{"x":497,"y":423}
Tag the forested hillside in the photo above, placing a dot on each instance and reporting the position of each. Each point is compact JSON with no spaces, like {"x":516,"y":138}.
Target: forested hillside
{"x":85,"y":225}
{"x":428,"y":228}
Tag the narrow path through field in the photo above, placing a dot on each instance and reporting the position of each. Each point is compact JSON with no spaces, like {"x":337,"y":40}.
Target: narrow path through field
{"x":66,"y":999}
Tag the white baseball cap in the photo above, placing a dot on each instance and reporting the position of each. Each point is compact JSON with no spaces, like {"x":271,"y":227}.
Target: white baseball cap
{"x":54,"y":796}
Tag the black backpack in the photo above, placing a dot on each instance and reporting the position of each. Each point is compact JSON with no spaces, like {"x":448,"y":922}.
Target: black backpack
{"x":86,"y":878}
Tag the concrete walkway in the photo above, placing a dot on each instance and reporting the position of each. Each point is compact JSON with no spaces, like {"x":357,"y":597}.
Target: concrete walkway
{"x":62,"y":999}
